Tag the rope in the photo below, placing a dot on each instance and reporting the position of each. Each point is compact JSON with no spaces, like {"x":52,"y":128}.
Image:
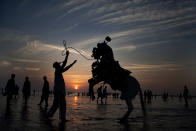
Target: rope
{"x":66,"y":48}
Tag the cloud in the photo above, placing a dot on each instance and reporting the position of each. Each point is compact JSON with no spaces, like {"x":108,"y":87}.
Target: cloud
{"x":67,"y":4}
{"x":26,"y":60}
{"x":36,"y":47}
{"x":76,"y":6}
{"x":128,"y":32}
{"x":17,"y":68}
{"x":31,"y":69}
{"x":88,"y":41}
{"x":125,"y":48}
{"x":71,"y":27}
{"x":111,"y":6}
{"x":5,"y":63}
{"x":79,"y":7}
{"x":154,"y":67}
{"x":154,"y":43}
{"x":120,"y":37}
{"x":13,"y":35}
{"x":113,"y":35}
{"x":146,"y":12}
{"x":107,"y":15}
{"x":131,"y":34}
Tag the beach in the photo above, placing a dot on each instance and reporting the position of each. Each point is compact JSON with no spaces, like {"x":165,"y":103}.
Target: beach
{"x":86,"y":115}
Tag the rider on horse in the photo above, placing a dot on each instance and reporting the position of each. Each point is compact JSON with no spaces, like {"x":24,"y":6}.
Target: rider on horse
{"x":105,"y":68}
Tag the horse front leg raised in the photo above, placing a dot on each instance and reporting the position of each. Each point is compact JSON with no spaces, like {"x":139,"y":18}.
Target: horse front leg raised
{"x":130,"y":109}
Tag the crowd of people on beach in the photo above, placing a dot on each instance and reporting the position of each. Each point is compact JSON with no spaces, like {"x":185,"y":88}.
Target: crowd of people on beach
{"x":102,"y":93}
{"x":148,"y":96}
{"x":12,"y":89}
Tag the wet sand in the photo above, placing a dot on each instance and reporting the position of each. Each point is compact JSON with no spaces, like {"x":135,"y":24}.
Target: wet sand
{"x":86,"y":115}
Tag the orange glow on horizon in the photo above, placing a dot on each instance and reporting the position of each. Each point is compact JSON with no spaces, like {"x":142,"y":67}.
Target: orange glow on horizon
{"x":76,"y":87}
{"x":76,"y":82}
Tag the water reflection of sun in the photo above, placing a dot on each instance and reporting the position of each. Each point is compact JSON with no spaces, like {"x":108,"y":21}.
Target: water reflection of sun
{"x":75,"y":99}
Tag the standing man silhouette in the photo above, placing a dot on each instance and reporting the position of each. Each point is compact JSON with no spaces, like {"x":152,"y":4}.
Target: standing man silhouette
{"x":105,"y":93}
{"x":26,"y":89}
{"x":186,"y":94}
{"x":59,"y":89}
{"x":99,"y":94}
{"x":9,"y":89}
{"x":45,"y":92}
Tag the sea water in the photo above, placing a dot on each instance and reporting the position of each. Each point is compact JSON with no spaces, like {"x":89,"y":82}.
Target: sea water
{"x":86,"y":115}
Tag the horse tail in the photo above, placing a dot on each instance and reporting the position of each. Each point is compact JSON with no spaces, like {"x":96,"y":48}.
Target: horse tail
{"x":142,"y":102}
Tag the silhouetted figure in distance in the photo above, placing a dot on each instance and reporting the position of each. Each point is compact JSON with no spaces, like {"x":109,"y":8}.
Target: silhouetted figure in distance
{"x":185,"y":95}
{"x":145,"y":95}
{"x":16,"y":89}
{"x":59,"y":89}
{"x":34,"y":92}
{"x":99,"y":94}
{"x":149,"y":95}
{"x":26,"y":89}
{"x":180,"y":97}
{"x":165,"y":97}
{"x":45,"y":92}
{"x":91,"y":91}
{"x":9,"y":89}
{"x":105,"y":93}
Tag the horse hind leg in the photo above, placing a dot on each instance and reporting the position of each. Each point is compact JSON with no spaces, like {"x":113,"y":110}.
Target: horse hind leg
{"x":130,"y":108}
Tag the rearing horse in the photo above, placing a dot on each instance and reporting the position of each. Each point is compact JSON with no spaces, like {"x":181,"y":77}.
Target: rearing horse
{"x":106,"y":69}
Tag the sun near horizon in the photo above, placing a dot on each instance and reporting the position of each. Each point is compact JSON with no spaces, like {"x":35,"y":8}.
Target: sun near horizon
{"x":76,"y":87}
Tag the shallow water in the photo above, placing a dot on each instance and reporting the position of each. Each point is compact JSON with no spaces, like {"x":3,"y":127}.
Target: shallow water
{"x":84,"y":115}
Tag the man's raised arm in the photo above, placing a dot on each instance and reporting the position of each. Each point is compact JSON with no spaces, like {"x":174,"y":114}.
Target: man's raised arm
{"x":69,"y":66}
{"x":65,"y":61}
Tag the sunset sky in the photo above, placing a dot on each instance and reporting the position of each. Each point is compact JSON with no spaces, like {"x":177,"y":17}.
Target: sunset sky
{"x":155,"y":39}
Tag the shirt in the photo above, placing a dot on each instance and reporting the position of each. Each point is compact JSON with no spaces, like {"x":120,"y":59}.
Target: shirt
{"x":59,"y":84}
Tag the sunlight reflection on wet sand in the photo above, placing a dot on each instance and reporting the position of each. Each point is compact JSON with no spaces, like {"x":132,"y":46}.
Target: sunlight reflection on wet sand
{"x":83,"y":114}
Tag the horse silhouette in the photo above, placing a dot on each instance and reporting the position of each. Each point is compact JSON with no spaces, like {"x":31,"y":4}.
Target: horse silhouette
{"x":106,"y":69}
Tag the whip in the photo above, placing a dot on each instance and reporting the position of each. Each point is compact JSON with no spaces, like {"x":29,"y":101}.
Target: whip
{"x":66,"y":48}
